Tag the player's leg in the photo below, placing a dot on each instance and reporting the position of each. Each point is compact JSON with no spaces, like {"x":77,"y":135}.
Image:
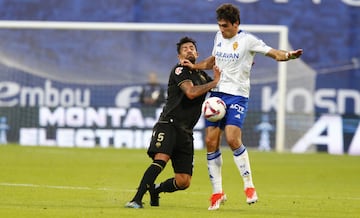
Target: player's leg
{"x":182,"y":163}
{"x":180,"y":181}
{"x":148,"y":179}
{"x":241,"y":159}
{"x":159,"y":150}
{"x":235,"y":118}
{"x":214,"y":163}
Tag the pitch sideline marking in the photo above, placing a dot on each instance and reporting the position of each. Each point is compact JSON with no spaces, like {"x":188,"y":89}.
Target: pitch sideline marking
{"x":131,"y":190}
{"x":56,"y":187}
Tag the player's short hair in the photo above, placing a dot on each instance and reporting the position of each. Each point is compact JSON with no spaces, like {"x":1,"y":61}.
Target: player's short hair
{"x":183,"y":41}
{"x":228,"y":12}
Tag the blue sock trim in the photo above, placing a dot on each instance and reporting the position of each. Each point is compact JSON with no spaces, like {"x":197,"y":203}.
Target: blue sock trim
{"x":213,"y":155}
{"x":239,"y":151}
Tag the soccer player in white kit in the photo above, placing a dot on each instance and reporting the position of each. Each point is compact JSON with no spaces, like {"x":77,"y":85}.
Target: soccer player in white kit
{"x":233,"y":52}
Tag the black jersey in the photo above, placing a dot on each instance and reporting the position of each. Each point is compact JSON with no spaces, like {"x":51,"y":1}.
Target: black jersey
{"x":184,"y":111}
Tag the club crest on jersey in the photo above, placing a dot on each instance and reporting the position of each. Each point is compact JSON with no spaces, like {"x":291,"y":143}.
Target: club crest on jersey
{"x":235,"y":45}
{"x":178,"y":70}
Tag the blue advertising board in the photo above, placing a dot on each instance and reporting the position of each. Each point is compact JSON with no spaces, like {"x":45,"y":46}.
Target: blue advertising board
{"x":53,"y":72}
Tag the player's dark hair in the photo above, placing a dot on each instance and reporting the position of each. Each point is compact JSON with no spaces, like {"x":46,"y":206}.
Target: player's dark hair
{"x":228,"y":12}
{"x":183,"y":41}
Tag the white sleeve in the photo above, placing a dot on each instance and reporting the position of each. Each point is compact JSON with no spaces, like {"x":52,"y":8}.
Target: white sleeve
{"x":215,"y":42}
{"x":257,"y":45}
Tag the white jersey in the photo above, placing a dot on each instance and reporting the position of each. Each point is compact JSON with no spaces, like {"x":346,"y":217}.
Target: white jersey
{"x":235,"y":57}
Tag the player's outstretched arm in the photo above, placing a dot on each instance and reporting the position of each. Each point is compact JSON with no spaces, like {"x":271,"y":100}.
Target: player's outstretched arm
{"x":206,"y":64}
{"x":281,"y":55}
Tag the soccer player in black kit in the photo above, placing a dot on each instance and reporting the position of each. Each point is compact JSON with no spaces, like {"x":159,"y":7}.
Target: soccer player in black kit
{"x":172,"y":136}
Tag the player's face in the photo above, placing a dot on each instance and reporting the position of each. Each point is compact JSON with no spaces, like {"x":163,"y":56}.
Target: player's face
{"x":188,"y":51}
{"x":227,"y":29}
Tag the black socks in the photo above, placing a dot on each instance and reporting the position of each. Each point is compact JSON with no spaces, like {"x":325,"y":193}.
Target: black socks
{"x":148,"y":179}
{"x":167,"y":186}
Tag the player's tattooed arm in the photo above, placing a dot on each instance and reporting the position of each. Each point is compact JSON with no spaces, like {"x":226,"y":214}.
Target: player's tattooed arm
{"x":192,"y":91}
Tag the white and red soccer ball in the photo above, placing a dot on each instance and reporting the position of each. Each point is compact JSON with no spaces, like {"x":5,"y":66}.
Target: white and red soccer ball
{"x":213,"y":109}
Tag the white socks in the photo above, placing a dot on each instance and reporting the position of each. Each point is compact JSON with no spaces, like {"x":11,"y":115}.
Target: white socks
{"x":241,"y":159}
{"x":214,"y":161}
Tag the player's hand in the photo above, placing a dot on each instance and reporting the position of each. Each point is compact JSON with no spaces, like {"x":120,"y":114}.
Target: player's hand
{"x":217,"y":73}
{"x":186,"y":63}
{"x":294,"y":54}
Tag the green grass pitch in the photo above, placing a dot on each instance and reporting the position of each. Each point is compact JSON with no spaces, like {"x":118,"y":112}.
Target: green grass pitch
{"x":73,"y":182}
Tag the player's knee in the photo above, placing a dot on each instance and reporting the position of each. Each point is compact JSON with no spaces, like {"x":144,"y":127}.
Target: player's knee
{"x":233,"y":142}
{"x":210,"y":143}
{"x":183,"y":181}
{"x":183,"y":184}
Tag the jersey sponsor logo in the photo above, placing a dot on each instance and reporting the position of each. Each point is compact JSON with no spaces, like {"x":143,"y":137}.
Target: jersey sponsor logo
{"x":227,"y":56}
{"x":235,"y":45}
{"x":178,"y":70}
{"x":237,"y":107}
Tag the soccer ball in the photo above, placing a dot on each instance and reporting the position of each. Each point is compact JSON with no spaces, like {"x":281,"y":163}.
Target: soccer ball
{"x":214,"y":109}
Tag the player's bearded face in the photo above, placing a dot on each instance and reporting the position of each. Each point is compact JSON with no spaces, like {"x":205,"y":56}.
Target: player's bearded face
{"x":190,"y":57}
{"x":188,"y":51}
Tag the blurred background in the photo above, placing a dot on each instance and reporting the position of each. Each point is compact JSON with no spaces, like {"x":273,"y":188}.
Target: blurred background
{"x":85,"y":88}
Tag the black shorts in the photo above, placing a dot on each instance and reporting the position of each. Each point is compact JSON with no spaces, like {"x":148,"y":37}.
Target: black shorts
{"x":174,"y":141}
